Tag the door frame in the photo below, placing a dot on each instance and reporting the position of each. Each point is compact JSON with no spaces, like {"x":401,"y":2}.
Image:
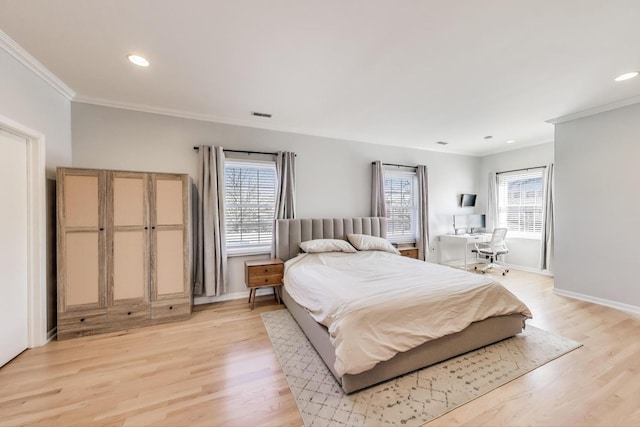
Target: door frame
{"x":36,"y":231}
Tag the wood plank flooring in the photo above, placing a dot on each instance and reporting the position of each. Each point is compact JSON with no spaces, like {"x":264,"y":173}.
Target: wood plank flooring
{"x":219,"y":368}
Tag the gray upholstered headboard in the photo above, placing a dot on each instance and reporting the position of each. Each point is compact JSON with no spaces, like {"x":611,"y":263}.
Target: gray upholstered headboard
{"x":290,"y":232}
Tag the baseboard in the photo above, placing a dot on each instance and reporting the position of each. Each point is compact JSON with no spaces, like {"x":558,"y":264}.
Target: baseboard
{"x":530,"y":269}
{"x":231,"y":296}
{"x":460,"y":263}
{"x":600,"y":301}
{"x":52,"y":333}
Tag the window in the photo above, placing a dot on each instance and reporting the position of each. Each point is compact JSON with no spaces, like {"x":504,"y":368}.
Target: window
{"x":400,"y":194}
{"x":250,"y":195}
{"x":520,"y":202}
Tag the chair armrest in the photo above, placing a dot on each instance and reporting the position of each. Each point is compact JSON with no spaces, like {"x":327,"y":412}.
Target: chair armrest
{"x":480,"y":245}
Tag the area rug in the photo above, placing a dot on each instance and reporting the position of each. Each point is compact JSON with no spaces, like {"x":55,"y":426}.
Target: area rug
{"x":412,"y":399}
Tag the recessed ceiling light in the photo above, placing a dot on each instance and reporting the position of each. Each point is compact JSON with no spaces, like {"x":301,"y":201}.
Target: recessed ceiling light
{"x":511,"y":141}
{"x":442,"y":142}
{"x":626,"y":76}
{"x":488,"y":137}
{"x":138,"y":60}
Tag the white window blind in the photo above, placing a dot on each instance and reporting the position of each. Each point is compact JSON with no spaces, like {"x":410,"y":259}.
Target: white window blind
{"x":400,"y":191}
{"x":250,"y":190}
{"x":520,"y":202}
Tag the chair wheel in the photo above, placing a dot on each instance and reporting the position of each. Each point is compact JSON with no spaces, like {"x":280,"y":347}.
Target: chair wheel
{"x":504,"y":274}
{"x":507,"y":271}
{"x":475,"y":267}
{"x":483,"y":272}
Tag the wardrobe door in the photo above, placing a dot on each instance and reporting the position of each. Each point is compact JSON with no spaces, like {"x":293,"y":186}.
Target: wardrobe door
{"x":81,"y":252}
{"x":128,"y":248}
{"x":170,"y":274}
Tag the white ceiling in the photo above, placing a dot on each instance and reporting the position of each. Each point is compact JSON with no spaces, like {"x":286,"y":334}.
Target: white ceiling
{"x":406,"y":73}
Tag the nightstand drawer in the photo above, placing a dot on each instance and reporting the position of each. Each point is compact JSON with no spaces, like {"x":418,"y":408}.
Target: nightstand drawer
{"x":260,"y":273}
{"x":262,"y":280}
{"x":263,"y":270}
{"x":409,"y":252}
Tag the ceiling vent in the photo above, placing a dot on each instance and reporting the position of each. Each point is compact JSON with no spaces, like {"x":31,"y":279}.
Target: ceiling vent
{"x":257,"y":114}
{"x":442,"y":142}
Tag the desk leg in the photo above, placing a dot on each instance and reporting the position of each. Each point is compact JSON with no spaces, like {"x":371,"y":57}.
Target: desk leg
{"x":466,"y":247}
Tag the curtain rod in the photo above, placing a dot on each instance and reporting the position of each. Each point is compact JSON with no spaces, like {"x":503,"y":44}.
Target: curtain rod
{"x":244,"y":151}
{"x":394,"y":164}
{"x":523,"y":169}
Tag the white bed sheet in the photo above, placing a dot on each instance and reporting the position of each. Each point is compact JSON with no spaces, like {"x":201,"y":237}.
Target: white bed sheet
{"x":376,"y":304}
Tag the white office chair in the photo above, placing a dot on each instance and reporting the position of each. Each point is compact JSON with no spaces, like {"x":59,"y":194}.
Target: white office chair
{"x":493,"y":249}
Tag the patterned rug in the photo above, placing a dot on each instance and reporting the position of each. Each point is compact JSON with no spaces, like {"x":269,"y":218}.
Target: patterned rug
{"x":412,"y":399}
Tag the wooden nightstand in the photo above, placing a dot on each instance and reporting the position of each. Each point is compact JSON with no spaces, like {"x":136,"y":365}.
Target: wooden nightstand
{"x":411,"y":252}
{"x":261,"y":273}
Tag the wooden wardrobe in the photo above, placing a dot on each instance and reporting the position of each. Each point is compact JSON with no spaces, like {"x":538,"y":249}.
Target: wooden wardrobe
{"x":123,"y":250}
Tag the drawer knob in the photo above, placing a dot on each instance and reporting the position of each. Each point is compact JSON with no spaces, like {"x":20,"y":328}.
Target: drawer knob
{"x":266,"y":270}
{"x":170,"y":307}
{"x":128,"y":313}
{"x":266,"y":279}
{"x":82,"y":319}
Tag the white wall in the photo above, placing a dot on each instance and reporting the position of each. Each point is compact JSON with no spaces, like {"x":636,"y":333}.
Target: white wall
{"x":334,"y":176}
{"x":597,"y":205}
{"x":522,"y":252}
{"x":28,"y":100}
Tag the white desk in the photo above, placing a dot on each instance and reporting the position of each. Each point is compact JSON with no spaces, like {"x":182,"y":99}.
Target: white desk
{"x":458,"y":241}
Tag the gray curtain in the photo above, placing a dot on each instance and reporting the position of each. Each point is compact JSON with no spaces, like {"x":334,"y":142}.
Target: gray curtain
{"x":285,"y":207}
{"x":378,"y":204}
{"x":210,"y":277}
{"x":423,"y":212}
{"x":286,"y":189}
{"x":546,"y":244}
{"x":492,"y":203}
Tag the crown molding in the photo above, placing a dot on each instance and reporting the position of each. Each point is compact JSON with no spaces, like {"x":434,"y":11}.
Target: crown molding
{"x":258,"y":124}
{"x":177,"y":113}
{"x":248,"y":123}
{"x":595,"y":110}
{"x":26,"y":59}
{"x":254,"y":124}
{"x":515,"y":146}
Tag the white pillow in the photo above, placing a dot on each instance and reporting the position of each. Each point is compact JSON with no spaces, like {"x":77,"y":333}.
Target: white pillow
{"x":326,"y":245}
{"x":363,"y":242}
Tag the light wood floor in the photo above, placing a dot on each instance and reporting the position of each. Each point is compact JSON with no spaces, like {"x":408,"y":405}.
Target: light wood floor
{"x":219,"y":369}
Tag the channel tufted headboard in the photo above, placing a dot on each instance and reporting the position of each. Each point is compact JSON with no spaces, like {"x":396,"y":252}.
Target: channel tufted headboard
{"x":290,"y":232}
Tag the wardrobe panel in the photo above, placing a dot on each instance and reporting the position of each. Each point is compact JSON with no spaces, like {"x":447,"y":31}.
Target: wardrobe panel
{"x":170,"y":262}
{"x":82,"y":268}
{"x":128,"y":201}
{"x":129,"y":272}
{"x":81,"y":206}
{"x":169,"y":203}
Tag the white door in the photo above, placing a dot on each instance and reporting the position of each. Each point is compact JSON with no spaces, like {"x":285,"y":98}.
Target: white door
{"x":13,"y":246}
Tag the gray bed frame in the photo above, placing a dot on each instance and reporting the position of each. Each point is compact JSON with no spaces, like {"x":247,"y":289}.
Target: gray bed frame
{"x":290,"y":232}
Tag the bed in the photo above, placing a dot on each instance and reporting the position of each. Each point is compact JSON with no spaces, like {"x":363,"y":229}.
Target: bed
{"x":357,"y":374}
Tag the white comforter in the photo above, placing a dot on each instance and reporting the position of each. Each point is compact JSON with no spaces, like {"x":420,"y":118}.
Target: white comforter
{"x":376,"y":304}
